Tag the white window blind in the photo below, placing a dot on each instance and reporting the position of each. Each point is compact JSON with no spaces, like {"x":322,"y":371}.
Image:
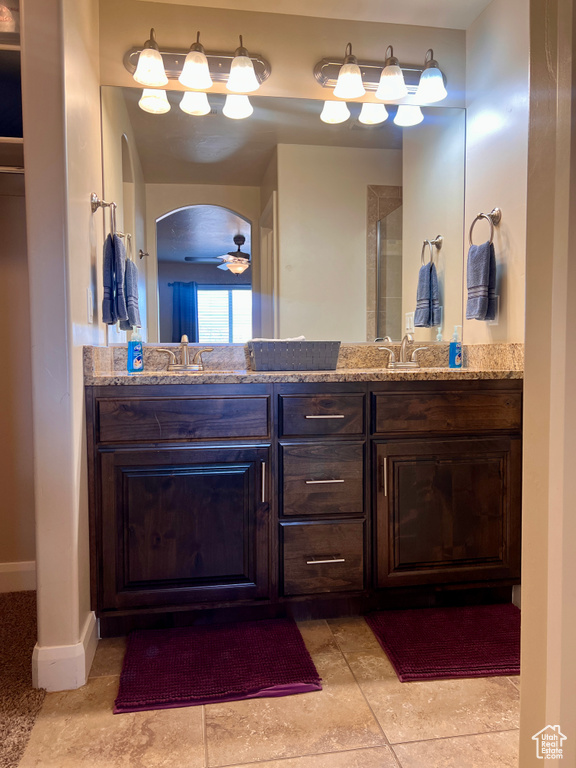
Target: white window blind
{"x":224,"y":315}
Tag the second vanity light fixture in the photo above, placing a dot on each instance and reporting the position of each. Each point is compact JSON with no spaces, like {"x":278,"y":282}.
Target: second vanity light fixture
{"x":242,"y":72}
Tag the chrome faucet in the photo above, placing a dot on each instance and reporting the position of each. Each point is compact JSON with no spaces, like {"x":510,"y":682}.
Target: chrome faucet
{"x":406,"y":360}
{"x":197,"y":363}
{"x":408,"y":339}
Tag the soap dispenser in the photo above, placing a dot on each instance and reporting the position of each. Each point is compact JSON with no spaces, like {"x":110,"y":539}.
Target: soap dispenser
{"x":455,"y":360}
{"x":135,"y":352}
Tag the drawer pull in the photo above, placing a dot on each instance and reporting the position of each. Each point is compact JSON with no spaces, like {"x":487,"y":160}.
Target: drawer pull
{"x":263,"y":482}
{"x":334,"y":559}
{"x":322,"y":482}
{"x":333,"y":416}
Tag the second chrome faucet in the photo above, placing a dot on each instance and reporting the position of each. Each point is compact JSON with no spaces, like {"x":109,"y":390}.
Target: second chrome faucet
{"x":197,"y":363}
{"x":406,"y":360}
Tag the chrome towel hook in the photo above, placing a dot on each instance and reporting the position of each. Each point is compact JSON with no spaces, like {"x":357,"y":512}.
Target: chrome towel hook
{"x":494,"y":217}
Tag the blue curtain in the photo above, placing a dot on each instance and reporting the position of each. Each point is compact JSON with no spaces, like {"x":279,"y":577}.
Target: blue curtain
{"x":185,"y":311}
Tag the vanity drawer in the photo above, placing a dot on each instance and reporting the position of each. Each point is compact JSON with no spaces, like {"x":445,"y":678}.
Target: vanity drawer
{"x":452,"y":411}
{"x":303,"y":415}
{"x":322,"y":478}
{"x":323,"y":557}
{"x":187,"y":418}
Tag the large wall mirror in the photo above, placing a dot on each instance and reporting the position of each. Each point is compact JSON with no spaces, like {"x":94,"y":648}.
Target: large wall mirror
{"x":332,"y":217}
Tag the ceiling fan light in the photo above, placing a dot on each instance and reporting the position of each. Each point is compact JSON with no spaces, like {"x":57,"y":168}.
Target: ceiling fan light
{"x":373,"y":114}
{"x":237,"y":106}
{"x":334,"y":112}
{"x":150,"y":69}
{"x":154,"y":101}
{"x":195,"y":103}
{"x":237,"y":268}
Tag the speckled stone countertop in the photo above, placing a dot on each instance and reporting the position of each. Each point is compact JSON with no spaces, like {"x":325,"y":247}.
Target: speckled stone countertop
{"x":106,"y":366}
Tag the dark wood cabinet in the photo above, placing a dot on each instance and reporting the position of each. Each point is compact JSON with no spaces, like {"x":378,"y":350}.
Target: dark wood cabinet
{"x":183,"y":525}
{"x":447,"y":510}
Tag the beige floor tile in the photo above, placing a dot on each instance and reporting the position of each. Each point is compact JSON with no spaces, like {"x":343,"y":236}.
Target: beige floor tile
{"x":109,"y":657}
{"x":76,"y":729}
{"x":489,"y":750}
{"x":376,"y":757}
{"x":515,"y":680}
{"x":334,"y":719}
{"x":429,"y":710}
{"x":353,"y":634}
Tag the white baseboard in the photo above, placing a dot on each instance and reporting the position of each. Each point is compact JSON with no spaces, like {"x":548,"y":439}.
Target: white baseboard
{"x":65,"y":667}
{"x":18,"y":577}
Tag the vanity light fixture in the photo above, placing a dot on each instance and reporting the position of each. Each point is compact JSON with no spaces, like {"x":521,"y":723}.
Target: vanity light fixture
{"x":392,"y":85}
{"x":431,"y":87}
{"x":373,"y":114}
{"x":237,"y":106}
{"x":155,"y":101}
{"x":236,"y":261}
{"x":349,"y":85}
{"x":150,"y":70}
{"x":335,"y":112}
{"x":242,"y":76}
{"x":408,"y":114}
{"x":195,"y":103}
{"x":196,"y":72}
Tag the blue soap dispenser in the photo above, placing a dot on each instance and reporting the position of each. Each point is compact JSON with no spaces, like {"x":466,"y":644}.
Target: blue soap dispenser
{"x":455,"y":360}
{"x":135,"y":352}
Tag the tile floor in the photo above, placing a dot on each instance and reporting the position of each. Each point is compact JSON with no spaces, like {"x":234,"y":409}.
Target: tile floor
{"x":363,"y":718}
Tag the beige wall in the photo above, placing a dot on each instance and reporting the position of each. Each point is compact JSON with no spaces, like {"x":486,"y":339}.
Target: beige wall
{"x":17,"y":542}
{"x":163,"y":198}
{"x":292,"y":44}
{"x":130,"y":197}
{"x":322,"y":218}
{"x":433,"y":204}
{"x":497,"y":60}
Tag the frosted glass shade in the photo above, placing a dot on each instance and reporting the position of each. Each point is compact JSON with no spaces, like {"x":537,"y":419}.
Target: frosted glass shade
{"x":154,"y":101}
{"x":237,"y":107}
{"x":150,"y":70}
{"x":242,"y":76}
{"x":236,"y":268}
{"x":335,"y":112}
{"x":408,"y":114}
{"x":349,"y":85}
{"x":391,"y":86}
{"x":431,"y":86}
{"x":373,"y":114}
{"x":196,"y":72}
{"x":194,"y":103}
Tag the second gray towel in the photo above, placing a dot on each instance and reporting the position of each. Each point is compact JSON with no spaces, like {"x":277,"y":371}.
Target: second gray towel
{"x":428,"y":312}
{"x":481,"y":282}
{"x":131,"y":298}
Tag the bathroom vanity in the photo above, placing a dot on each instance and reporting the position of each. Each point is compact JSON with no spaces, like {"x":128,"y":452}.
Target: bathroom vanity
{"x":304,"y":494}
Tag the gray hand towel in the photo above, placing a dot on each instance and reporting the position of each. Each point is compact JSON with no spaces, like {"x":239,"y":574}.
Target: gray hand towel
{"x":436,"y":311}
{"x":108,"y":303}
{"x":481,"y":282}
{"x":131,"y":298}
{"x":119,"y":278}
{"x":423,"y":313}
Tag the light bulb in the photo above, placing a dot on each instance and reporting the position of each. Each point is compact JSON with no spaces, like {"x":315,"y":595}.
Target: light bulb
{"x":391,"y":86}
{"x":373,"y":114}
{"x":150,"y":70}
{"x":408,"y":114}
{"x":335,"y":112}
{"x":194,"y":103}
{"x":349,"y":85}
{"x":236,"y":268}
{"x":431,"y":87}
{"x":196,"y":72}
{"x":154,"y":101}
{"x":237,"y":107}
{"x":242,"y":77}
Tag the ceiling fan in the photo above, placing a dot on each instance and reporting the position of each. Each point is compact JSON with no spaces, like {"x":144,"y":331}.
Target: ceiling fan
{"x":236,"y":261}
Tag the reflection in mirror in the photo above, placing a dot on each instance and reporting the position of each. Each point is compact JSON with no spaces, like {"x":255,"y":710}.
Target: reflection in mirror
{"x":311,"y":199}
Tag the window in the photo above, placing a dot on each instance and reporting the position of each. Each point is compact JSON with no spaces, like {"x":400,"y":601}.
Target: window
{"x":224,"y":314}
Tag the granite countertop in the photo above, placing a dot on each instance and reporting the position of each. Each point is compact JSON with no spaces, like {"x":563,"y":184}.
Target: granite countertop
{"x":295,"y":377}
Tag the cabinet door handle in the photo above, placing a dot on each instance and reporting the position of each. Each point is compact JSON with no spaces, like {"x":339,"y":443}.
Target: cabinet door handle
{"x":334,"y":559}
{"x":322,"y":482}
{"x":263,"y":482}
{"x":333,"y":416}
{"x":382,"y":471}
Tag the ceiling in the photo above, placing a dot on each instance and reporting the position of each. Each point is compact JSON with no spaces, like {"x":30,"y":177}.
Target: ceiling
{"x":200,"y":232}
{"x":177,"y":148}
{"x":448,"y":14}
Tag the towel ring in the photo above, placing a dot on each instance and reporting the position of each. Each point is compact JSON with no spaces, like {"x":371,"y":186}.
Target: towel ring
{"x":494,"y":217}
{"x":437,"y":242}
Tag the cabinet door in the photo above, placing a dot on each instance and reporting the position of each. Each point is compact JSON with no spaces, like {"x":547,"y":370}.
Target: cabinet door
{"x":448,"y":510}
{"x":179,"y":526}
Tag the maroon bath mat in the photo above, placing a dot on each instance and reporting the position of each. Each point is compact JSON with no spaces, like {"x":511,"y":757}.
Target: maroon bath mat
{"x":221,"y":662}
{"x":443,"y":643}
